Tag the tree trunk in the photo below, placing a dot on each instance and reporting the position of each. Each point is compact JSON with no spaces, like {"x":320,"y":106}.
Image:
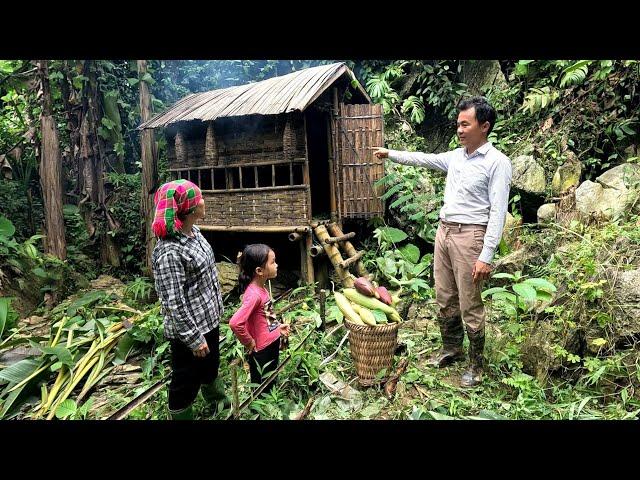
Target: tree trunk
{"x":91,"y":172}
{"x":51,"y":172}
{"x":73,"y":113}
{"x":149,"y":165}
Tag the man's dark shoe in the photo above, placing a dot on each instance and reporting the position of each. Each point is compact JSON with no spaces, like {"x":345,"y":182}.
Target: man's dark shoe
{"x":473,"y":375}
{"x":452,"y":336}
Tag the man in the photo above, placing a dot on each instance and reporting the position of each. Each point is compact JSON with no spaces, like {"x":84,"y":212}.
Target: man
{"x":471,"y":222}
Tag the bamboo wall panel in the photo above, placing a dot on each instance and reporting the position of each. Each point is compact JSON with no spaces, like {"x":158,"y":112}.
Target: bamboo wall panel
{"x":359,"y":128}
{"x":280,"y":207}
{"x":243,"y":140}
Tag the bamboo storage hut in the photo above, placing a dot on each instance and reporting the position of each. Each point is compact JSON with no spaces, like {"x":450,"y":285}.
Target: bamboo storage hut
{"x":280,"y":154}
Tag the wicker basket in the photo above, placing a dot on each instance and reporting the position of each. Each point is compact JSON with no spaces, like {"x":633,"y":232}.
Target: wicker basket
{"x":372,"y":350}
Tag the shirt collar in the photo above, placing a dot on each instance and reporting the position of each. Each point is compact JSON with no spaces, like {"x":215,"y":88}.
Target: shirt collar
{"x":182,"y":238}
{"x":483,"y":149}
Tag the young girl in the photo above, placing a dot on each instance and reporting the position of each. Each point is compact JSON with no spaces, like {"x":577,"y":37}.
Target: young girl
{"x":255,"y":323}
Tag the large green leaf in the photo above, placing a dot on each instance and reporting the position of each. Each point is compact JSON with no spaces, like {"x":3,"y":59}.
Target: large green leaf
{"x":4,"y":313}
{"x":540,"y":284}
{"x":487,"y":415}
{"x":492,"y":291}
{"x":66,"y":409}
{"x":525,"y":291}
{"x":544,"y":296}
{"x":84,"y":409}
{"x":85,"y":300}
{"x":439,"y":416}
{"x":17,"y":372}
{"x":9,"y":401}
{"x":125,"y":345}
{"x":503,"y":275}
{"x":393,"y":235}
{"x":6,"y":227}
{"x":387,"y":265}
{"x":62,"y":353}
{"x":510,"y":297}
{"x":19,"y":341}
{"x":39,"y":272}
{"x":334,"y":313}
{"x":410,"y":252}
{"x":380,"y":316}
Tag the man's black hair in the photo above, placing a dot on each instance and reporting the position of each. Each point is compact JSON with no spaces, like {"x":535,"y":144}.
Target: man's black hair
{"x":484,"y":111}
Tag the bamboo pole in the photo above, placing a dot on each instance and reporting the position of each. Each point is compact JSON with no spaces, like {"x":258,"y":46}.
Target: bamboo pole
{"x":332,"y":176}
{"x":336,"y":155}
{"x":315,"y":223}
{"x":341,"y":238}
{"x":316,"y":251}
{"x":295,"y":237}
{"x":351,"y":260}
{"x":243,"y":228}
{"x":139,"y":400}
{"x":334,"y":255}
{"x":323,"y":299}
{"x":348,"y":247}
{"x":306,"y":259}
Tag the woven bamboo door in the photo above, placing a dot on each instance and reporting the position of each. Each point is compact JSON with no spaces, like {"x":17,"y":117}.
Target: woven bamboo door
{"x":359,"y":127}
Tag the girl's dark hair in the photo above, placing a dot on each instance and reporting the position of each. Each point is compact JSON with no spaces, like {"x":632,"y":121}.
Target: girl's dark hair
{"x":252,"y":257}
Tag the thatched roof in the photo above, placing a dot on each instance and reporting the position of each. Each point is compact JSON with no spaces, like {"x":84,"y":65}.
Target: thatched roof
{"x":288,"y":93}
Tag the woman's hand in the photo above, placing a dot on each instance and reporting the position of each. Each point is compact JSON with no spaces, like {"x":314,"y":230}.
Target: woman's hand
{"x":251,"y":347}
{"x":202,"y":351}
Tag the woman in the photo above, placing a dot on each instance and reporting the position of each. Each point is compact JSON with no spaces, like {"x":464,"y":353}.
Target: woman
{"x":186,"y":279}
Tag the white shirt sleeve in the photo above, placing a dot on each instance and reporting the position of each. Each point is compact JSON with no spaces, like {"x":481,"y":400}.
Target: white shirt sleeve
{"x":499,"y":185}
{"x":436,"y":161}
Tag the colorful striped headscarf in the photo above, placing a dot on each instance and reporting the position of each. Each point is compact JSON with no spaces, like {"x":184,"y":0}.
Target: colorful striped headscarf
{"x":174,"y":199}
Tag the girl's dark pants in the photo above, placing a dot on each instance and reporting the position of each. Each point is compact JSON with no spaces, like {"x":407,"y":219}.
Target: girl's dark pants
{"x":265,"y":361}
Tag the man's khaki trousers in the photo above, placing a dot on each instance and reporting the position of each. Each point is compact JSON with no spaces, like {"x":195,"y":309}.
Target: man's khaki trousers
{"x":457,"y":249}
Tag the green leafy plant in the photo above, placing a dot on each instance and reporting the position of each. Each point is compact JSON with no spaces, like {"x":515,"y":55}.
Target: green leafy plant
{"x":521,"y":295}
{"x":401,"y":267}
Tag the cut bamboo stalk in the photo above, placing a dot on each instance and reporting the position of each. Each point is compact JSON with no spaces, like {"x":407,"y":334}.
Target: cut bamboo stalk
{"x":316,"y":251}
{"x":306,"y":258}
{"x":341,"y":238}
{"x":323,"y":299}
{"x":351,"y":260}
{"x":60,"y":380}
{"x":294,"y":237}
{"x":348,"y":247}
{"x":73,"y":383}
{"x":334,"y":255}
{"x":315,"y":223}
{"x":59,"y":332}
